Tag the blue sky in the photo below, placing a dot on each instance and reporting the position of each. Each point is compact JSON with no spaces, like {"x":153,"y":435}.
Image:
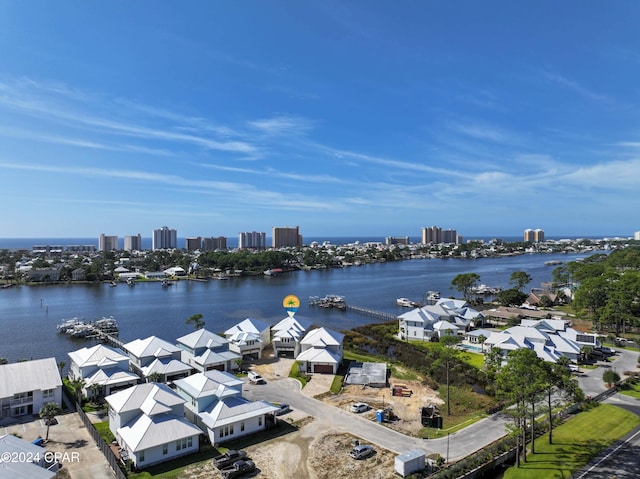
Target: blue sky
{"x":341,"y":117}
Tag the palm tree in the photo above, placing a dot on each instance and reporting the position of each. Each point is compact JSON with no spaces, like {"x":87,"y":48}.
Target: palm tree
{"x":76,"y":386}
{"x":481,"y":339}
{"x":48,"y":412}
{"x":94,"y":392}
{"x":61,"y":365}
{"x":155,"y":378}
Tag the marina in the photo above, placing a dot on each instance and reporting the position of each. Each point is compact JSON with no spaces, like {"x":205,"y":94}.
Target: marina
{"x":79,"y":328}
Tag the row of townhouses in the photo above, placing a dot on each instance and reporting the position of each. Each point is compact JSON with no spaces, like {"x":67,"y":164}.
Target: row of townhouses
{"x":163,"y":397}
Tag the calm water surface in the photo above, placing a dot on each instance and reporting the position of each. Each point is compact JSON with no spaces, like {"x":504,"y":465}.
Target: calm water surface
{"x":29,"y":314}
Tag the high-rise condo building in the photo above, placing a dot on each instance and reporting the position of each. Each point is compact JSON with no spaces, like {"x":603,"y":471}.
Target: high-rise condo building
{"x":389,"y":240}
{"x":253,"y":239}
{"x":164,"y":238}
{"x":212,"y":244}
{"x":534,"y":236}
{"x":107,"y":243}
{"x":636,"y":235}
{"x":133,"y":243}
{"x":436,"y":235}
{"x":284,"y":237}
{"x":193,"y":243}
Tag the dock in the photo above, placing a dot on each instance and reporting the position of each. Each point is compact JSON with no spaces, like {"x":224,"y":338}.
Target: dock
{"x":372,"y":313}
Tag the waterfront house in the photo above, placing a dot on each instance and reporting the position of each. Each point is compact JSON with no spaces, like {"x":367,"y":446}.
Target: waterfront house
{"x":104,"y":370}
{"x":287,"y":334}
{"x":548,"y":342}
{"x":204,"y":351}
{"x":320,"y":351}
{"x":42,"y":274}
{"x":148,"y":423}
{"x":31,"y":462}
{"x":27,"y":386}
{"x":152,"y":355}
{"x":214,"y":403}
{"x":445,"y":317}
{"x":155,"y":275}
{"x":249,"y":337}
{"x":78,"y":274}
{"x":175,"y":271}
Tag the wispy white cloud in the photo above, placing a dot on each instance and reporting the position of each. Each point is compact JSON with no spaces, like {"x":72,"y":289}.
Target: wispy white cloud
{"x":282,"y":125}
{"x":574,"y":86}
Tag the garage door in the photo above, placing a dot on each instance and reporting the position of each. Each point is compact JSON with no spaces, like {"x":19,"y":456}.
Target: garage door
{"x":323,"y":368}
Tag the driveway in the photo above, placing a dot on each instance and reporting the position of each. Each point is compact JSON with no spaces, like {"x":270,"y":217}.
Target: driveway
{"x":70,"y":441}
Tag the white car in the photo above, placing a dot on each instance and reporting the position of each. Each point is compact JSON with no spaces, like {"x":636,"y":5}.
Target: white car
{"x":362,"y":451}
{"x":360,"y":407}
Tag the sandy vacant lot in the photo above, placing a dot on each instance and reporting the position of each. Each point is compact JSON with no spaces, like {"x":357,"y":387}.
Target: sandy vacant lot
{"x":315,"y":452}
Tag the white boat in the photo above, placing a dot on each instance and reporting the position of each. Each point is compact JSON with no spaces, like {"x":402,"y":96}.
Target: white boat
{"x":405,"y":302}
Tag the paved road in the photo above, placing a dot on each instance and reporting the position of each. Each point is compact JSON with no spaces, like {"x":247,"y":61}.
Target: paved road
{"x":622,"y":460}
{"x":456,"y":446}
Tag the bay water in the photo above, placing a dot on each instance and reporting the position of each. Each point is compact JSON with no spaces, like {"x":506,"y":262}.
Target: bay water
{"x":29,"y":314}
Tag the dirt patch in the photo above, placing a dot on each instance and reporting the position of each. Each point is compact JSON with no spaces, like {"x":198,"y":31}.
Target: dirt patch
{"x":405,"y":408}
{"x":311,"y":452}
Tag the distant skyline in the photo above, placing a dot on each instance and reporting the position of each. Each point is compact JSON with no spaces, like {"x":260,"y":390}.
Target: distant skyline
{"x":342,"y":118}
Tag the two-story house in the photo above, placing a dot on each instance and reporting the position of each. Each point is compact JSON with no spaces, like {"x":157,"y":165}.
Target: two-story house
{"x":287,"y":334}
{"x":321,"y":351}
{"x":204,"y":351}
{"x":27,"y":386}
{"x":156,"y":358}
{"x":214,"y":402}
{"x":104,"y":370}
{"x":249,"y":337}
{"x":148,"y":423}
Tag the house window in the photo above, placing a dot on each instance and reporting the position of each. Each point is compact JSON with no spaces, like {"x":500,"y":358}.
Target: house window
{"x":184,"y":443}
{"x":165,"y":448}
{"x":47,"y":393}
{"x":259,"y":420}
{"x":242,"y":426}
{"x":141,"y":456}
{"x":20,"y":411}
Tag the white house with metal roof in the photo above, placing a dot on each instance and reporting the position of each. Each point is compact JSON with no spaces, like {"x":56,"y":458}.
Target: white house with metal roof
{"x":204,"y":351}
{"x":154,"y":355}
{"x":548,"y":345}
{"x":214,"y":402}
{"x":103,"y":366}
{"x":249,"y":337}
{"x":287,"y":334}
{"x":321,"y":351}
{"x":31,"y":461}
{"x":446,"y":317}
{"x":148,"y":423}
{"x":27,"y":386}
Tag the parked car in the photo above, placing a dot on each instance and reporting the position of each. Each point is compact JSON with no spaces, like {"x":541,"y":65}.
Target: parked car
{"x":360,"y":407}
{"x":238,"y":468}
{"x":605,"y":350}
{"x":255,"y":378}
{"x":361,"y":452}
{"x":283,"y":409}
{"x":228,"y":458}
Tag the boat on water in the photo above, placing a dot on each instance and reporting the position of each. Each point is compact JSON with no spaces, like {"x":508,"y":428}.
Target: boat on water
{"x":486,"y":290}
{"x":432,"y":297}
{"x":112,"y":284}
{"x":406,"y":303}
{"x":79,"y":328}
{"x":273,"y":272}
{"x":552,"y":262}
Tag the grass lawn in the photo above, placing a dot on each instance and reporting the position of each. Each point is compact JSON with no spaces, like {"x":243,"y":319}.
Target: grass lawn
{"x":474,"y":359}
{"x":631,"y":388}
{"x":576,"y":442}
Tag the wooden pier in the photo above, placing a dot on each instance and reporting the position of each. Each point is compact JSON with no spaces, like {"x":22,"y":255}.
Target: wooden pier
{"x":372,"y":313}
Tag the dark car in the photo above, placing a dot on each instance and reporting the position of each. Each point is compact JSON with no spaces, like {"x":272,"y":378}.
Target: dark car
{"x":283,"y":409}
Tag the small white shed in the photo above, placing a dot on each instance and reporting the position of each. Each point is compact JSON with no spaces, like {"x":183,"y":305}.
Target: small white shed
{"x":410,"y":462}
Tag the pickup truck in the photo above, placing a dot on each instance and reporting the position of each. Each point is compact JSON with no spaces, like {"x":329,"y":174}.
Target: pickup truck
{"x":238,"y":468}
{"x":228,"y":458}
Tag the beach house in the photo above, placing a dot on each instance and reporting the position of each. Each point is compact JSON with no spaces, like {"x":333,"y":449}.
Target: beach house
{"x":214,"y":402}
{"x":156,"y":358}
{"x":27,"y":386}
{"x":249,"y":337}
{"x":103,"y":369}
{"x":287,"y":334}
{"x":204,"y":351}
{"x":148,"y":423}
{"x":320,"y":351}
